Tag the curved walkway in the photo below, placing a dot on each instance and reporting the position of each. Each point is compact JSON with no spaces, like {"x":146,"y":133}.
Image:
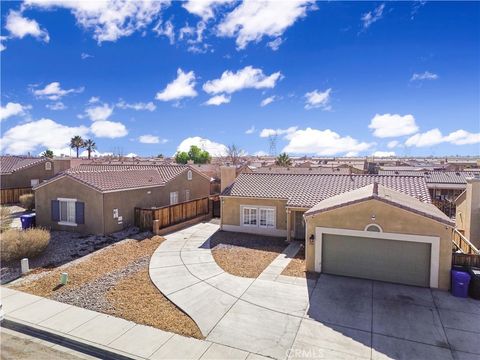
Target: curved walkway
{"x":258,"y":315}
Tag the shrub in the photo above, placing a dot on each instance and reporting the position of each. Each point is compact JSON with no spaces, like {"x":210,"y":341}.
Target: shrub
{"x":27,"y":201}
{"x":16,"y":244}
{"x":5,"y":219}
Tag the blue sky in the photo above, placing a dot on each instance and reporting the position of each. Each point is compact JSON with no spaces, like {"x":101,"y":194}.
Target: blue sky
{"x":334,"y":79}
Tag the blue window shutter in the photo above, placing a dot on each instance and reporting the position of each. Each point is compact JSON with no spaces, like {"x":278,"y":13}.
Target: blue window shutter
{"x":55,"y":207}
{"x":80,"y":212}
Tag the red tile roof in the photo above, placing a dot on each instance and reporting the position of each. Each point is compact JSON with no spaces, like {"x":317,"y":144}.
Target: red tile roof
{"x":308,"y":190}
{"x":10,"y":164}
{"x":436,"y":177}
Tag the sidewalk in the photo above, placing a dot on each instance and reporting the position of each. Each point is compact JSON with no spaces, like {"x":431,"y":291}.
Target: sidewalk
{"x":106,"y":333}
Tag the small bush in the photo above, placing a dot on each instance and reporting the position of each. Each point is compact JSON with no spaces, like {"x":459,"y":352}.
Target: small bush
{"x":16,"y":244}
{"x":5,"y":219}
{"x":27,"y":201}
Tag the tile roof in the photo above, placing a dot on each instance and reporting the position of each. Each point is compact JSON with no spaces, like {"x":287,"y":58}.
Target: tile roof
{"x":118,"y":177}
{"x":10,"y":164}
{"x":300,"y":170}
{"x":308,"y":190}
{"x":435,"y":177}
{"x":379,"y":192}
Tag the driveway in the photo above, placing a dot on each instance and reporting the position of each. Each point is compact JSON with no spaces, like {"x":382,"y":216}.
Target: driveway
{"x":333,"y":317}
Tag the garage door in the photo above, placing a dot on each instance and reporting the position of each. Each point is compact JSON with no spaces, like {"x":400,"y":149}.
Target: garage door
{"x":403,"y":262}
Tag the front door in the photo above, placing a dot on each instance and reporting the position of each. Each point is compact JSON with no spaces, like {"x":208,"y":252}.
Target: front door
{"x":299,"y":225}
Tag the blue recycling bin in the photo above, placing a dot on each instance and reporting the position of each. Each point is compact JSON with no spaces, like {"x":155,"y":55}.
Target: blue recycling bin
{"x":28,"y":221}
{"x":460,"y":283}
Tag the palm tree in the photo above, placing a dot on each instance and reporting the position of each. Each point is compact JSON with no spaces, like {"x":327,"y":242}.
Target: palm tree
{"x":76,"y":143}
{"x":90,"y":145}
{"x":283,"y":160}
{"x":47,"y":153}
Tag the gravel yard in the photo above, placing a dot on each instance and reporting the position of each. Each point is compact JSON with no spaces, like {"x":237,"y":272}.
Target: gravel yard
{"x":64,"y":247}
{"x":115,"y":281}
{"x":296,"y":266}
{"x":245,"y":255}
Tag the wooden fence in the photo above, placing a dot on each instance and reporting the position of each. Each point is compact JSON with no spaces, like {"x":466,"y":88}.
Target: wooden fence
{"x":171,"y":214}
{"x":462,"y":243}
{"x":466,"y":260}
{"x":11,"y":196}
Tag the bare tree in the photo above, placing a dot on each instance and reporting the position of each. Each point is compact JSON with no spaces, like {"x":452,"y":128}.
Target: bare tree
{"x":234,"y":154}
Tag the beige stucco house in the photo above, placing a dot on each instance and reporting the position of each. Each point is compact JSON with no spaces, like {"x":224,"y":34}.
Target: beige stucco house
{"x":467,"y":218}
{"x":100,"y":199}
{"x":368,"y":226}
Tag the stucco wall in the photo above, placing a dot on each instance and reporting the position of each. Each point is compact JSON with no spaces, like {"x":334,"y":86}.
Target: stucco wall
{"x":231,"y":210}
{"x":392,"y":220}
{"x":68,"y":188}
{"x":21,"y":178}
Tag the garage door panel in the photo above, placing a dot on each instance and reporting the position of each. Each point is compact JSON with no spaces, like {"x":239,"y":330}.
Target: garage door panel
{"x":396,"y":261}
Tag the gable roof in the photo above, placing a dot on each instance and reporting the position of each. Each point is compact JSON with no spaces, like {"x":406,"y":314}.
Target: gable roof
{"x":10,"y":164}
{"x":106,"y":178}
{"x":435,"y":177}
{"x":382,"y":193}
{"x":306,"y":191}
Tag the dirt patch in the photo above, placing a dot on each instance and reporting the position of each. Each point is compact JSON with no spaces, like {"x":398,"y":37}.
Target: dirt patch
{"x":135,"y":298}
{"x":245,"y":255}
{"x":296,"y":266}
{"x":89,"y":269}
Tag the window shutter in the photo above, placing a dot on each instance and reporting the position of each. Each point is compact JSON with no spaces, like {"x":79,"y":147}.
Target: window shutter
{"x":55,"y":208}
{"x":80,"y":212}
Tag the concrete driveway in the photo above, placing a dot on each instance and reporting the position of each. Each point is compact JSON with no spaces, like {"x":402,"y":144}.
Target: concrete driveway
{"x":334,"y":317}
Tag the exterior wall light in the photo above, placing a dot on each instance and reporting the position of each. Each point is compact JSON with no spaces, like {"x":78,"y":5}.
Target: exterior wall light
{"x":373,"y":217}
{"x":312,"y":239}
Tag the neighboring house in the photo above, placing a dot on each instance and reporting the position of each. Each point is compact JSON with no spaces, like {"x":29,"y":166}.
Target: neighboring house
{"x":302,"y":170}
{"x":369,"y":226}
{"x":100,"y":199}
{"x":467,"y":217}
{"x":24,"y":172}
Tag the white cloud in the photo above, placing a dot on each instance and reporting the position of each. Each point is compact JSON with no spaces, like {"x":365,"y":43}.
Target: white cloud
{"x":372,"y":16}
{"x":53,"y":91}
{"x":278,"y":132}
{"x":393,"y":125}
{"x":427,"y":75}
{"x":99,"y":113}
{"x":393,"y":144}
{"x":260,"y":153}
{"x":183,"y":86}
{"x":19,"y":27}
{"x":318,"y":99}
{"x":56,"y":106}
{"x":108,"y":129}
{"x":246,"y":78}
{"x":429,"y":138}
{"x":2,"y":46}
{"x":150,"y":106}
{"x":435,"y":137}
{"x":383,"y":154}
{"x":94,"y":153}
{"x":12,"y":109}
{"x":268,"y":100}
{"x":323,"y":142}
{"x":213,"y":148}
{"x":166,"y":30}
{"x":218,"y":100}
{"x":275,"y":44}
{"x":151,"y":139}
{"x":254,"y":19}
{"x":251,"y":130}
{"x":44,"y":133}
{"x":93,"y":100}
{"x":85,"y":56}
{"x":204,"y":8}
{"x":108,"y":19}
{"x":131,"y":155}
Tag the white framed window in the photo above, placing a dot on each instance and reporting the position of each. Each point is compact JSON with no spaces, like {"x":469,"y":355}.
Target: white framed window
{"x":174,"y":197}
{"x":189,"y":175}
{"x":373,"y":227}
{"x":34,"y":182}
{"x":187,"y":195}
{"x":258,"y":216}
{"x":67,"y":211}
{"x":48,"y":165}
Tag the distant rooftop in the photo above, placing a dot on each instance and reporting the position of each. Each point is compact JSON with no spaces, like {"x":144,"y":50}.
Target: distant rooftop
{"x":10,"y":164}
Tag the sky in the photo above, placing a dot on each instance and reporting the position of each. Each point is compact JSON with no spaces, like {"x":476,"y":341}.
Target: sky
{"x":312,"y":78}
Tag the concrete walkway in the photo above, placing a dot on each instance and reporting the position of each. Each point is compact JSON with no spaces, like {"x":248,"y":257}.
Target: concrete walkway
{"x":335,"y":317}
{"x":118,"y":337}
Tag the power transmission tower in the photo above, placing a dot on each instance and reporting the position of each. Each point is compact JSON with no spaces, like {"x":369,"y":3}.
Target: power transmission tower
{"x":272,"y":141}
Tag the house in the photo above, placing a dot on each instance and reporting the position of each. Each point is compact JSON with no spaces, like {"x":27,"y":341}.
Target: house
{"x":24,"y":172}
{"x":302,"y":170}
{"x":101,"y":199}
{"x":385,"y":226}
{"x":467,"y":217}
